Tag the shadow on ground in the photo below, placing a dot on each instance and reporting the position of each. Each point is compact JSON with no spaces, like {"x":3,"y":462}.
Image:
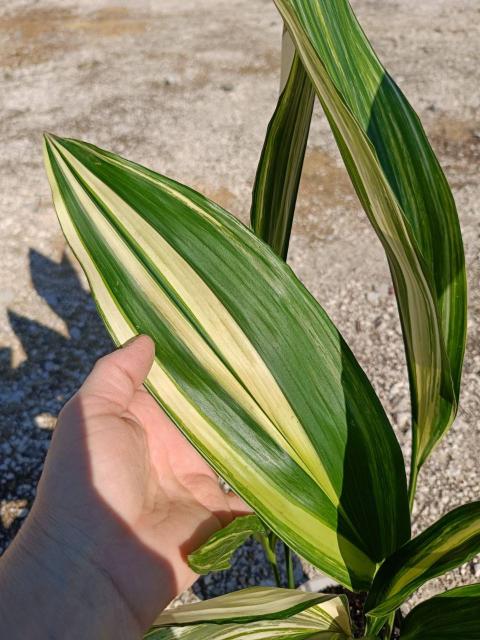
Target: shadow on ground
{"x":32,"y":394}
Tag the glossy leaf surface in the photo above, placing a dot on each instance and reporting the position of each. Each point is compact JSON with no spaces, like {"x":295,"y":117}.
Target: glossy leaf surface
{"x":248,"y":365}
{"x":451,"y":541}
{"x":405,"y":195}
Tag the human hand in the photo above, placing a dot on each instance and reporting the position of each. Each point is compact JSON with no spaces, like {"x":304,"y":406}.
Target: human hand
{"x":123,"y":494}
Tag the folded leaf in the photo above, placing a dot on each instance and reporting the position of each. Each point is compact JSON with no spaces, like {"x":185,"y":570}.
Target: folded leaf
{"x":248,"y":365}
{"x":262,"y":612}
{"x":405,"y":195}
{"x":452,"y":614}
{"x":451,"y":541}
{"x":280,"y":166}
{"x":216,"y":553}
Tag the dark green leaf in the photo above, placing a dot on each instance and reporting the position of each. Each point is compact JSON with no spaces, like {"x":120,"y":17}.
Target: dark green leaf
{"x":453,"y":614}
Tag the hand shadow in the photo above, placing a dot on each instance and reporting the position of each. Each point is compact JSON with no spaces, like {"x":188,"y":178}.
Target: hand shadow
{"x":32,"y":394}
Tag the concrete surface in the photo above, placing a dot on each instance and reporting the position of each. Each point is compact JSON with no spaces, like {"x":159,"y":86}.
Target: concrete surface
{"x":187,"y":89}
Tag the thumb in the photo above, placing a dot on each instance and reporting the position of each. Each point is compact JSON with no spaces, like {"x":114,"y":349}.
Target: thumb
{"x":116,"y":377}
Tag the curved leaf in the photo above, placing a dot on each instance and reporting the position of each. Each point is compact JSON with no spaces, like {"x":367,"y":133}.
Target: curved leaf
{"x":216,"y":553}
{"x":248,"y":365}
{"x":262,"y":612}
{"x":451,"y":541}
{"x":258,"y":603}
{"x":280,"y":166}
{"x":452,"y":614}
{"x":406,"y":197}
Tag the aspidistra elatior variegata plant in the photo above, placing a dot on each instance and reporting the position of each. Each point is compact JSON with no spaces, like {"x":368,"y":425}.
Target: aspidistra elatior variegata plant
{"x":248,"y":365}
{"x":400,"y":185}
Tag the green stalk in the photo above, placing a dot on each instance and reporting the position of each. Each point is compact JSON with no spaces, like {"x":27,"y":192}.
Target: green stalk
{"x":390,"y":625}
{"x":373,"y":626}
{"x":289,"y":566}
{"x":412,"y":483}
{"x":268,"y":543}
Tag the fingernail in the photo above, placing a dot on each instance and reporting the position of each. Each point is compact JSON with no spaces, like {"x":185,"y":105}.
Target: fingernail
{"x":129,"y":341}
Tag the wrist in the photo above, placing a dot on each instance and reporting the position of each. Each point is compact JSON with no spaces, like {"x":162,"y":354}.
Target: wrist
{"x":54,"y":576}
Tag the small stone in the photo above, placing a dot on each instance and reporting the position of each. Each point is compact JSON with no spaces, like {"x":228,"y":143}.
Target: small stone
{"x":402,"y":419}
{"x":45,"y":421}
{"x":373,"y":298}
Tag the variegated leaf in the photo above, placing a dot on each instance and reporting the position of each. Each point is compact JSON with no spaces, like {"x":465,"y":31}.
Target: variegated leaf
{"x":216,"y":553}
{"x":280,"y":166}
{"x":258,"y":612}
{"x":248,"y":365}
{"x":451,"y":541}
{"x":405,"y":195}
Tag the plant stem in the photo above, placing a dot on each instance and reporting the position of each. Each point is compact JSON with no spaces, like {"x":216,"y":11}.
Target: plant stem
{"x":390,"y":625}
{"x":412,"y":484}
{"x":269,"y":543}
{"x":414,"y":468}
{"x":373,"y":626}
{"x":289,"y":566}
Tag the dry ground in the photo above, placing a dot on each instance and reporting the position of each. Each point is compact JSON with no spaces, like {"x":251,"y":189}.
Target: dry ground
{"x":188,"y":88}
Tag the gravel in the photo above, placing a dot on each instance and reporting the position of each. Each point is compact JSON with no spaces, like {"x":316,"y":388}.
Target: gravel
{"x":189,"y":92}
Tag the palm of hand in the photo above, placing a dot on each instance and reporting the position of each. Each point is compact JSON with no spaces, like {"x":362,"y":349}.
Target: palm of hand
{"x":180,"y":491}
{"x":118,"y":463}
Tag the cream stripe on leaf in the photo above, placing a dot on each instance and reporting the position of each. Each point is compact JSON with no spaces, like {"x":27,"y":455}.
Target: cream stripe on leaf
{"x":186,"y":414}
{"x":221,"y":328}
{"x":280,"y":166}
{"x":263,"y":612}
{"x":405,"y":195}
{"x":294,"y":629}
{"x":448,"y":543}
{"x":248,"y":365}
{"x":216,"y":553}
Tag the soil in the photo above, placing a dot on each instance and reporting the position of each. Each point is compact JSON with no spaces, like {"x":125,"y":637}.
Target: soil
{"x":188,"y":89}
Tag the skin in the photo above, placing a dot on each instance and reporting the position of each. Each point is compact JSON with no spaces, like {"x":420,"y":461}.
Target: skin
{"x":123,"y":499}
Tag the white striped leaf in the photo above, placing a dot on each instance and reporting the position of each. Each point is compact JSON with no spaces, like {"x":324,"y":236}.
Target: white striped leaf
{"x":280,"y":166}
{"x":216,"y":553}
{"x":452,"y":614}
{"x":448,"y":543}
{"x":405,"y":195}
{"x":258,"y":612}
{"x":248,"y":365}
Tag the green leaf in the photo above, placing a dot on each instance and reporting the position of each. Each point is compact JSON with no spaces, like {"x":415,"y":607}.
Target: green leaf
{"x":262,"y":612}
{"x":452,"y":614}
{"x":406,"y":197}
{"x":280,"y":166}
{"x":451,"y":541}
{"x":248,"y":365}
{"x":216,"y":553}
